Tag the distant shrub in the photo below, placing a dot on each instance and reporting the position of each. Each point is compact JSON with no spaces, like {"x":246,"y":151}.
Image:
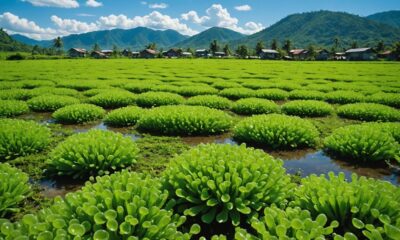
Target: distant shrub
{"x":140,"y":86}
{"x":124,"y":205}
{"x":81,"y":85}
{"x":15,"y":57}
{"x":78,"y":113}
{"x":29,"y":84}
{"x":291,"y":223}
{"x":211,"y":101}
{"x":113,"y":99}
{"x":15,"y":94}
{"x":237,"y":93}
{"x":343,"y":97}
{"x":124,"y":117}
{"x":360,"y":205}
{"x":393,"y":128}
{"x":93,"y":153}
{"x":364,"y":143}
{"x":185,"y":120}
{"x":369,"y":112}
{"x":14,"y":188}
{"x":307,"y":108}
{"x":277,"y":131}
{"x":319,"y":87}
{"x":272,"y":94}
{"x":50,"y":103}
{"x":307,"y":95}
{"x":54,"y":91}
{"x":390,"y":99}
{"x":287,"y":85}
{"x":250,"y":106}
{"x":10,"y":108}
{"x":155,"y":99}
{"x":21,"y":138}
{"x":165,"y":88}
{"x":225,"y":84}
{"x":225,"y":184}
{"x":189,"y":91}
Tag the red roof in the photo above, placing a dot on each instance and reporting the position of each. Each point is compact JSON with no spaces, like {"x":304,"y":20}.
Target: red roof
{"x":296,"y":51}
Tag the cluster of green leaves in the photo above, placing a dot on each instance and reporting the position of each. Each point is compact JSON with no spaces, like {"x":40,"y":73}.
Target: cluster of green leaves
{"x":343,"y":97}
{"x":291,"y":223}
{"x":237,"y":93}
{"x":390,"y":99}
{"x":29,"y":84}
{"x":155,"y":99}
{"x":14,"y":188}
{"x":393,"y":128}
{"x":364,"y":208}
{"x":221,"y":183}
{"x":21,"y":138}
{"x":10,"y":108}
{"x":79,"y":85}
{"x":225,"y":84}
{"x":272,"y":94}
{"x":113,"y":99}
{"x":15,"y":94}
{"x":185,"y":120}
{"x":211,"y":101}
{"x":124,"y":117}
{"x":55,"y":91}
{"x":140,"y":86}
{"x":307,"y":108}
{"x":306,"y":95}
{"x":369,"y":112}
{"x":365,"y":143}
{"x":50,"y":103}
{"x":250,"y":106}
{"x":120,"y":206}
{"x":95,"y":152}
{"x":277,"y":131}
{"x":78,"y":113}
{"x":189,"y":91}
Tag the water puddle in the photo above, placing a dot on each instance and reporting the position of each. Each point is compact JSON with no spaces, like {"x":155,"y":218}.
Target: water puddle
{"x":59,"y":187}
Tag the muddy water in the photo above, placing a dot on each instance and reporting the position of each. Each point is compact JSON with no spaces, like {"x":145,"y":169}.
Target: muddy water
{"x":59,"y":187}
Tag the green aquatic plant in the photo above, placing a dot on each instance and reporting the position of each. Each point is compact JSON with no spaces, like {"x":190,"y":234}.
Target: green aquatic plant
{"x":93,"y":153}
{"x":14,"y":188}
{"x":225,"y":84}
{"x":363,"y":143}
{"x":225,"y":184}
{"x":15,"y":94}
{"x":54,"y":91}
{"x":50,"y":103}
{"x":189,"y":91}
{"x":369,"y":112}
{"x":124,"y":117}
{"x":277,"y":131}
{"x":21,"y":138}
{"x":185,"y":120}
{"x":393,"y":128}
{"x":11,"y":108}
{"x":113,"y":99}
{"x":78,"y":113}
{"x":306,"y":95}
{"x":155,"y":99}
{"x":272,"y":94}
{"x":211,"y":101}
{"x":307,"y":108}
{"x":390,"y":99}
{"x":250,"y":106}
{"x":237,"y":93}
{"x":343,"y":97}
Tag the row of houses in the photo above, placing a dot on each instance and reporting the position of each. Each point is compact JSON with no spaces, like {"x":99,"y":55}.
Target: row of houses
{"x":356,"y":54}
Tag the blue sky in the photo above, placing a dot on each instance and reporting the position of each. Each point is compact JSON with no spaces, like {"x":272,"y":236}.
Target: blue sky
{"x":46,"y":19}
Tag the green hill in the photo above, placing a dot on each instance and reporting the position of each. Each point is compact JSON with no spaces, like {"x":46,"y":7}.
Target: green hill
{"x":390,"y":17}
{"x":8,"y":44}
{"x":320,"y":28}
{"x":203,"y":39}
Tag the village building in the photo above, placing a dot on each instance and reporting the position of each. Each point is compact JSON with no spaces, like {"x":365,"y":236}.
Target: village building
{"x":77,"y":52}
{"x":173,"y":53}
{"x":126,"y":53}
{"x":98,"y":55}
{"x":202,"y":53}
{"x":148,"y":53}
{"x":360,"y":54}
{"x":269,"y":54}
{"x":339,"y":56}
{"x":108,"y":53}
{"x":135,"y":54}
{"x":322,"y":55}
{"x":298,"y":54}
{"x":388,"y":55}
{"x":219,"y":54}
{"x":186,"y":54}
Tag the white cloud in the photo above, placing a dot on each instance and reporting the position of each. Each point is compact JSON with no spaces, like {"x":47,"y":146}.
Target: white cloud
{"x":143,"y":2}
{"x":54,"y":3}
{"x":93,"y":3}
{"x":85,"y":15}
{"x":68,"y":26}
{"x":243,"y":7}
{"x":219,"y":16}
{"x":158,"y":5}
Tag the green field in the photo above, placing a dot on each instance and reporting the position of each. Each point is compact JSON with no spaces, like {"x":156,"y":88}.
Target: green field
{"x":235,"y":147}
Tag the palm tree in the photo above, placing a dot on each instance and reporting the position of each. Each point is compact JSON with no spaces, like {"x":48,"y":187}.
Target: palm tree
{"x":152,"y":46}
{"x":274,"y":44}
{"x":242,"y":51}
{"x":58,"y":44}
{"x":259,"y":47}
{"x":287,"y":46}
{"x":227,"y":50}
{"x":380,"y":47}
{"x":214,"y":46}
{"x":96,"y":47}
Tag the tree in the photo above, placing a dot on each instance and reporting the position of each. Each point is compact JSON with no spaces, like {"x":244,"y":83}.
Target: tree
{"x":259,"y":47}
{"x":274,"y":44}
{"x":354,"y":44}
{"x":190,"y":50}
{"x":227,"y":50}
{"x":396,"y":50}
{"x":287,"y":46}
{"x":214,"y":46}
{"x":58,"y":44}
{"x":35,"y":50}
{"x":242,"y":51}
{"x":380,"y":47}
{"x":152,"y":46}
{"x":336,"y":44}
{"x":115,"y":52}
{"x":311,"y":52}
{"x":96,"y":47}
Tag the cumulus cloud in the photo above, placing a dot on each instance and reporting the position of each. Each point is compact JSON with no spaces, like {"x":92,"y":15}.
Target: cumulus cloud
{"x":68,"y":26}
{"x":243,"y":7}
{"x":93,"y":3}
{"x":158,"y":5}
{"x":219,"y":16}
{"x":54,"y":3}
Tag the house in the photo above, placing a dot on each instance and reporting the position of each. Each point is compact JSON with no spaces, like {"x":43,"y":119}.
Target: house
{"x":173,"y":53}
{"x":126,"y":53}
{"x":186,"y":54}
{"x":220,"y":54}
{"x":269,"y":54}
{"x":108,"y":53}
{"x":322,"y":55}
{"x":77,"y":52}
{"x":201,"y":53}
{"x":388,"y":55}
{"x":298,"y":54}
{"x":148,"y":53}
{"x":135,"y":54}
{"x":98,"y":55}
{"x":339,"y":56}
{"x":360,"y":54}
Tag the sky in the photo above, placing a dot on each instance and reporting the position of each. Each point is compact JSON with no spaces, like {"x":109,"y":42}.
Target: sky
{"x":47,"y":19}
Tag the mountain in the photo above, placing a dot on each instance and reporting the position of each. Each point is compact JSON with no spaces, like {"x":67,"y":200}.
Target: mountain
{"x":391,"y":18}
{"x":203,"y":39}
{"x":31,"y":42}
{"x":7,"y":43}
{"x":320,"y":28}
{"x":136,"y":38}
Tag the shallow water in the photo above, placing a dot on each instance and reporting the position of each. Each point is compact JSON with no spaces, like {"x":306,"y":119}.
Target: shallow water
{"x":59,"y":187}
